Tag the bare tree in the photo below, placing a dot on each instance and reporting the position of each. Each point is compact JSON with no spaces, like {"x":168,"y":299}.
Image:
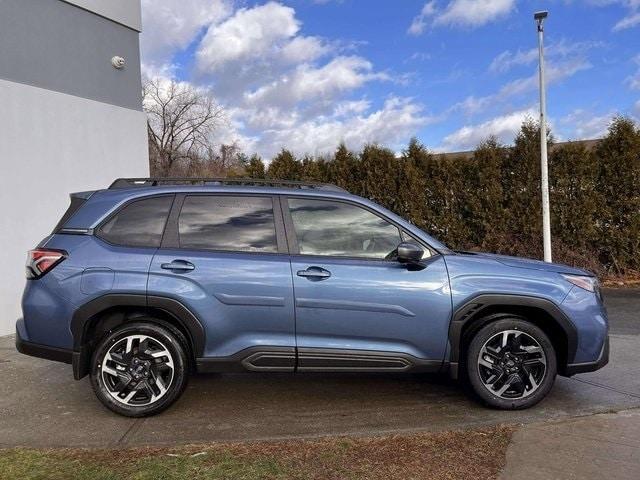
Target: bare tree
{"x":181,"y":120}
{"x":227,"y":160}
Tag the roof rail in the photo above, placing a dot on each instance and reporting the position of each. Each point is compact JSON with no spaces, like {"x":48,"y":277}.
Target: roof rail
{"x":262,"y":182}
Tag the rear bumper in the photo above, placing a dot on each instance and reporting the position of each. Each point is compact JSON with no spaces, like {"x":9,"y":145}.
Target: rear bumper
{"x":41,"y":351}
{"x":603,"y":359}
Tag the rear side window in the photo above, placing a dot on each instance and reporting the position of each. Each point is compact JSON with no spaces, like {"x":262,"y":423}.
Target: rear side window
{"x":139,"y":224}
{"x":216,"y":222}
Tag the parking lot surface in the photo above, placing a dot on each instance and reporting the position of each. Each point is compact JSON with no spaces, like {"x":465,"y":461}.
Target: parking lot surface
{"x":42,"y":406}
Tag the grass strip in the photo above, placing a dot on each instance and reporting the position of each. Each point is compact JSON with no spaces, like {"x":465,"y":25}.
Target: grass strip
{"x":477,"y":454}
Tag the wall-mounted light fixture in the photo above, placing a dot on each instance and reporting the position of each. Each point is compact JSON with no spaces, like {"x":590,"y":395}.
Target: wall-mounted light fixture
{"x":118,"y":62}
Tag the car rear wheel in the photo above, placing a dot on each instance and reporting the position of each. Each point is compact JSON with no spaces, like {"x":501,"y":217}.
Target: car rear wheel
{"x":511,"y":364}
{"x":139,"y":369}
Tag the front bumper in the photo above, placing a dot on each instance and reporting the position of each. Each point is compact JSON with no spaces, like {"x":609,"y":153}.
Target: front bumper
{"x":603,"y":359}
{"x":41,"y":351}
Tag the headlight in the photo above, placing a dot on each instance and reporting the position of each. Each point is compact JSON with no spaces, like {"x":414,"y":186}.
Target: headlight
{"x":588,"y":283}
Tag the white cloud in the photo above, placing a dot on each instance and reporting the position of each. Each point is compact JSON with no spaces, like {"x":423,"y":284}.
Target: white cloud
{"x":507,"y":60}
{"x":258,"y":51}
{"x":347,"y":108}
{"x":632,"y":18}
{"x":171,"y":25}
{"x":394,"y":123}
{"x":629,"y":21}
{"x":418,"y":57}
{"x":304,"y":49}
{"x":419,"y":22}
{"x":248,"y":34}
{"x":307,"y":83}
{"x":474,"y":13}
{"x":465,"y":13}
{"x":279,"y":87}
{"x":268,"y":129}
{"x":279,"y":84}
{"x":633,"y":81}
{"x":162,"y":70}
{"x":555,"y":73}
{"x":503,"y":127}
{"x":583,"y":125}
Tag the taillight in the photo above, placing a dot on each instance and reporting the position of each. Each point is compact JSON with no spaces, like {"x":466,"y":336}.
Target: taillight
{"x":41,"y":260}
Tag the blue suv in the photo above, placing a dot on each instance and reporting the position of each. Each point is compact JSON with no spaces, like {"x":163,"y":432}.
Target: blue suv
{"x":151,"y":279}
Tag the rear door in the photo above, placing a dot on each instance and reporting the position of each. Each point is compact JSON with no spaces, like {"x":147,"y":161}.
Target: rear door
{"x":224,"y":256}
{"x":356,"y":308}
{"x":128,"y":239}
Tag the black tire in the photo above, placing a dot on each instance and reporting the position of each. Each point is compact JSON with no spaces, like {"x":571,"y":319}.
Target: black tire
{"x":517,"y":376}
{"x":171,"y":373}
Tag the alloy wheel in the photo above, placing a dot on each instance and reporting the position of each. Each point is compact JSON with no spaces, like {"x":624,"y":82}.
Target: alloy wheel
{"x":512,"y":364}
{"x":137,"y":370}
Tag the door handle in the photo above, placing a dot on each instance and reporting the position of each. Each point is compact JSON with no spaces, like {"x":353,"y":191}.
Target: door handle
{"x":182,"y":265}
{"x":314,"y":273}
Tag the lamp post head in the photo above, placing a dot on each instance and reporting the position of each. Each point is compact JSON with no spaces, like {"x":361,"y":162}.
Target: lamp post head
{"x":539,"y":18}
{"x":541,"y":15}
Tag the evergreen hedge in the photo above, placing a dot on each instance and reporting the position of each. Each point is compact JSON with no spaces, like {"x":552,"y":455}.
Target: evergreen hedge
{"x":490,"y":200}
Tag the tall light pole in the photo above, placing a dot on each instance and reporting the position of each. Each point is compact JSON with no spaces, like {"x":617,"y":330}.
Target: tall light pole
{"x":544,"y":168}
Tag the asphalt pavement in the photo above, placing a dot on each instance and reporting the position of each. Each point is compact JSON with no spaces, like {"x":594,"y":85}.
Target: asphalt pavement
{"x":42,"y":406}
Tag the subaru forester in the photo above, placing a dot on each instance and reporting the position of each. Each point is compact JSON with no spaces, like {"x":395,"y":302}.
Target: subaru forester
{"x":149,"y":280}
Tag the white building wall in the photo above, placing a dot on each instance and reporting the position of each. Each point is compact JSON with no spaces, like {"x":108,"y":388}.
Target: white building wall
{"x":52,"y":144}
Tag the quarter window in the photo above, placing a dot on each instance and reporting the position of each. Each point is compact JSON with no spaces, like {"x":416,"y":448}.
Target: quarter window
{"x":340,"y":229}
{"x":217,"y":222}
{"x":138,"y":224}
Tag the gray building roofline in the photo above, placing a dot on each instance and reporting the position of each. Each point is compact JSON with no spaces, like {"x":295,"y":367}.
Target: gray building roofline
{"x":124,"y":12}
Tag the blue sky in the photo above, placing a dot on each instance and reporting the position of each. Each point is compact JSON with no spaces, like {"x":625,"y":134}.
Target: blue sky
{"x":308,"y":74}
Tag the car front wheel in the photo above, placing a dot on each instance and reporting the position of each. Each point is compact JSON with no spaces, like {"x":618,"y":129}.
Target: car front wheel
{"x":511,"y":364}
{"x":139,"y":369}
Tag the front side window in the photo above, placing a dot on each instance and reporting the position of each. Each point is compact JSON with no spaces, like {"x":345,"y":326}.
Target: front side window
{"x":138,"y":224}
{"x":339,"y":229}
{"x":216,"y":222}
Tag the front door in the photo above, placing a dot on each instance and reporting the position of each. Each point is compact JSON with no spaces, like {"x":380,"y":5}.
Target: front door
{"x":224,"y":257}
{"x":356,"y":307}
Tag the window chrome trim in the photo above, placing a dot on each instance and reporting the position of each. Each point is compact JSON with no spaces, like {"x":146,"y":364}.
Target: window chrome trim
{"x":76,"y":231}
